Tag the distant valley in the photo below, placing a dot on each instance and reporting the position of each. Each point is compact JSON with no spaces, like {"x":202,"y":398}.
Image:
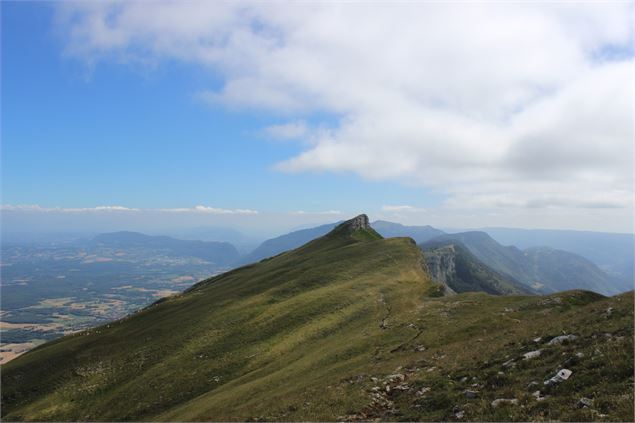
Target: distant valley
{"x":52,"y":289}
{"x":49,"y":290}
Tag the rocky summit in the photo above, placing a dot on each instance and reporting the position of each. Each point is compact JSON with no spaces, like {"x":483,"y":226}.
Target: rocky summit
{"x":356,"y":223}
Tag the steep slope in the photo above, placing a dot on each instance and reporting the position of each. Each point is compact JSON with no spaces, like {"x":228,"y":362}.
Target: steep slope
{"x":221,"y":253}
{"x":275,"y":246}
{"x":614,"y":253}
{"x":294,"y":320}
{"x":452,"y":264}
{"x":544,"y":270}
{"x":506,"y":260}
{"x":418,"y":233}
{"x":564,"y":270}
{"x":343,"y":328}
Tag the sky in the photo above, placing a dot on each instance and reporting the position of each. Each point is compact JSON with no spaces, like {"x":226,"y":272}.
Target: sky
{"x":268,"y":116}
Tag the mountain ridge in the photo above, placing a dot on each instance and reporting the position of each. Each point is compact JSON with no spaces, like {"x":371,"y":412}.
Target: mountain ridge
{"x":348,"y":327}
{"x":452,"y":264}
{"x":222,"y":253}
{"x":546,"y":273}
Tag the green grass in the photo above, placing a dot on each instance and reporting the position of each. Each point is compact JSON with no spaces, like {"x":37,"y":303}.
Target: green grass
{"x":300,"y":337}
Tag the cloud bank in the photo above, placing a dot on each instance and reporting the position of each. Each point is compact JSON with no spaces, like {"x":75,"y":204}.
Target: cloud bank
{"x":496,"y":105}
{"x":109,"y":209}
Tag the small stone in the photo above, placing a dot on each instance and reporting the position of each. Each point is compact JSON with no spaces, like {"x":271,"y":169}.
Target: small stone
{"x":459,"y":415}
{"x":561,"y":376}
{"x":396,"y":377}
{"x":537,"y":395}
{"x":532,"y":354}
{"x":585,"y":403}
{"x":422,"y":391}
{"x":537,"y":340}
{"x":562,"y":338}
{"x":464,"y":379}
{"x":509,"y":363}
{"x":564,"y":374}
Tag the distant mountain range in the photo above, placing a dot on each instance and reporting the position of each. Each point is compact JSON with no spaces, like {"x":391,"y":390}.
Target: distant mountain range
{"x":285,"y":242}
{"x":452,"y":264}
{"x":347,"y":327}
{"x":418,"y":233}
{"x":614,"y":253}
{"x":295,"y":239}
{"x":542,"y":269}
{"x":220,"y":253}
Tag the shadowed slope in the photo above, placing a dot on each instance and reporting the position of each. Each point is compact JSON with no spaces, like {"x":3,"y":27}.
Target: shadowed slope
{"x":451,"y":263}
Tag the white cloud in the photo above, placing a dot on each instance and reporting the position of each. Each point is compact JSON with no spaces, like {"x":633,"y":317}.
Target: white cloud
{"x":37,"y":208}
{"x":401,"y":208}
{"x":209,"y":210}
{"x":498,"y":105}
{"x":107,"y":209}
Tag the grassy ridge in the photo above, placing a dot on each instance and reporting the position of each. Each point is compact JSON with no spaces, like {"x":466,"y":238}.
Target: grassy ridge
{"x":315,"y":333}
{"x":252,"y":323}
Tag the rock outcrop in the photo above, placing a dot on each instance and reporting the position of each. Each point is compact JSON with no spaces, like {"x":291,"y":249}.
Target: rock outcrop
{"x":356,"y":223}
{"x":441,"y":264}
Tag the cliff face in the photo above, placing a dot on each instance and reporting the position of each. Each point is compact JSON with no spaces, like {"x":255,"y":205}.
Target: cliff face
{"x":455,"y":267}
{"x":359,"y":222}
{"x":441,"y":264}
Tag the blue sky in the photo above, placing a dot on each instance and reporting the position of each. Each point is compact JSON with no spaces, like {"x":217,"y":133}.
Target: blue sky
{"x":297,"y":114}
{"x":76,"y":136}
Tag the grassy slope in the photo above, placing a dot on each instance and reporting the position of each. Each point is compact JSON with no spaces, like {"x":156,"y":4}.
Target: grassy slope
{"x":302,"y":335}
{"x":303,"y":315}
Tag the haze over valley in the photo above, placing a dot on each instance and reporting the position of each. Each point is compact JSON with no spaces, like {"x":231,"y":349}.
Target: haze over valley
{"x":278,"y":211}
{"x":61,"y":287}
